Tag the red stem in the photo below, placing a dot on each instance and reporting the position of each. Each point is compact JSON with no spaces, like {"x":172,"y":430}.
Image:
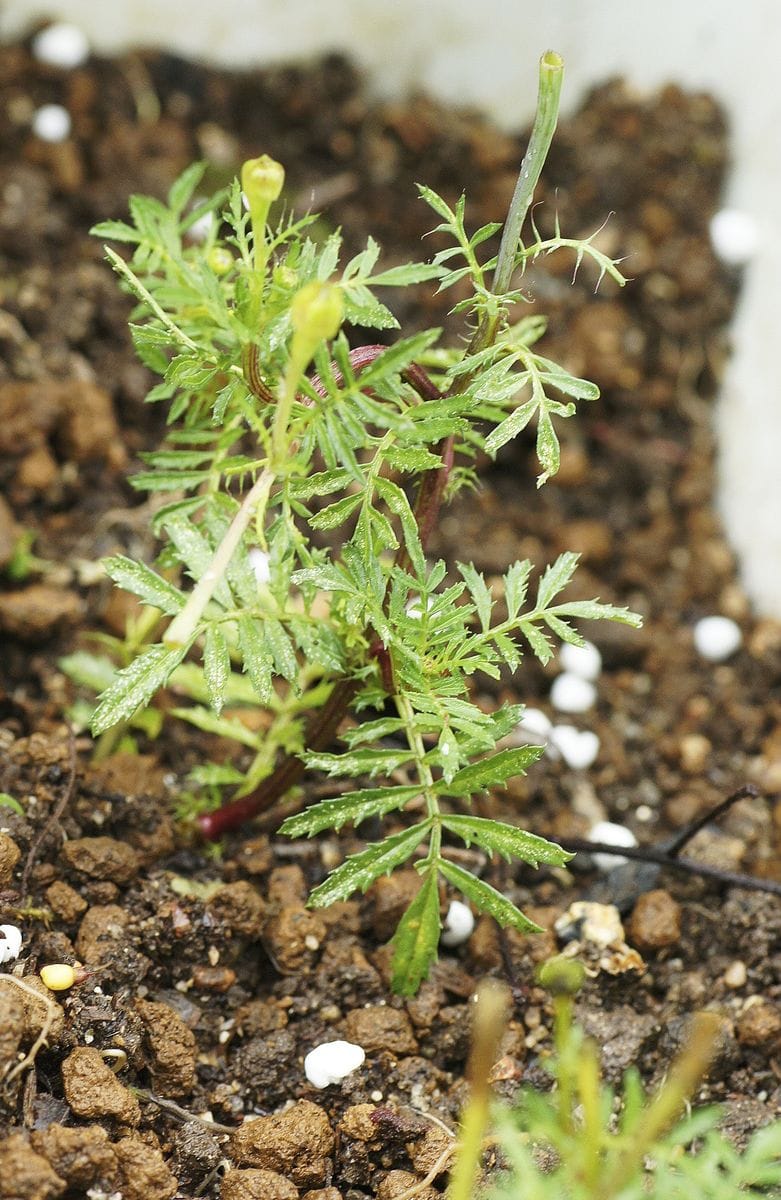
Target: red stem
{"x":319,"y":733}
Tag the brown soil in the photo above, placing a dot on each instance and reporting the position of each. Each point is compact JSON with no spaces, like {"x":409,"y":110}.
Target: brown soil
{"x":207,"y":972}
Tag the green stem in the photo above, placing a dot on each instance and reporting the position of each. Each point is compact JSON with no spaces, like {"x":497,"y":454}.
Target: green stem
{"x":415,"y":742}
{"x":566,"y":1067}
{"x":489,"y":1026}
{"x":551,"y":76}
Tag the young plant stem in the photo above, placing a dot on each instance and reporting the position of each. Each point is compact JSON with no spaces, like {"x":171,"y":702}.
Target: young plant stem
{"x":588,"y":1094}
{"x":566,"y":1053}
{"x":489,"y":1025}
{"x":415,"y":742}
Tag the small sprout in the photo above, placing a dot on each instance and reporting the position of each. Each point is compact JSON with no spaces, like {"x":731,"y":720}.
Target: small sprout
{"x":115,"y":1058}
{"x":331,"y":1062}
{"x":571,"y":694}
{"x":584,"y":661}
{"x":459,"y":924}
{"x":267,"y":450}
{"x":58,"y":977}
{"x":10,"y":943}
{"x":717,"y":638}
{"x":562,"y":976}
{"x":9,"y":801}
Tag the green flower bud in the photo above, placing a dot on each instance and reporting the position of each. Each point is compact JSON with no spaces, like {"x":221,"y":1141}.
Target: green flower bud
{"x":316,"y":312}
{"x":261,"y":180}
{"x":220,"y":260}
{"x":286,"y":277}
{"x":561,"y":976}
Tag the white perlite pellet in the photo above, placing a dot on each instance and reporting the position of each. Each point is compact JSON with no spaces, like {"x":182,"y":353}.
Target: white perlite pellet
{"x":584,"y":661}
{"x":200,"y":229}
{"x":533,"y":724}
{"x":578,"y":747}
{"x":734,"y":236}
{"x":610,"y":834}
{"x":61,"y":45}
{"x":10,"y":943}
{"x":331,"y":1062}
{"x":259,"y":562}
{"x":572,"y":694}
{"x":459,"y":924}
{"x":51,"y":123}
{"x":717,"y":638}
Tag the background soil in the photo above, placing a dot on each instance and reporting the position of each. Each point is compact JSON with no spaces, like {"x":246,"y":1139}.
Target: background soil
{"x":207,"y":970}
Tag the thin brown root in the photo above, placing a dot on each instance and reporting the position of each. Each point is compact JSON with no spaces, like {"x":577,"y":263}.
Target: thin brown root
{"x":40,"y":1041}
{"x":437,"y":1169}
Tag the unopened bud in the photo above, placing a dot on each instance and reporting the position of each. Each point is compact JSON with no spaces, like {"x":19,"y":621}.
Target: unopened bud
{"x":220,"y":260}
{"x":285,"y":276}
{"x":562,"y":976}
{"x":262,"y":180}
{"x":316,"y":312}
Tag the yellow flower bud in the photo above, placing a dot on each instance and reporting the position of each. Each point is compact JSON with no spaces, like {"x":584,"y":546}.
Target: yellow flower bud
{"x":220,"y":260}
{"x":58,"y":977}
{"x":316,"y":312}
{"x":262,"y":180}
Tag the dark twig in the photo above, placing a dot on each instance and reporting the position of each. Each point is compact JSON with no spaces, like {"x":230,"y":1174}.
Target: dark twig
{"x":749,"y":791}
{"x":54,"y":816}
{"x":665,"y":859}
{"x":668,"y":853}
{"x":182,"y":1114}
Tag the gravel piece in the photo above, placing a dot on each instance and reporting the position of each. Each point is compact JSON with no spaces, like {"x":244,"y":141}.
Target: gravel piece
{"x":93,"y":1090}
{"x":379,"y":1027}
{"x":655,"y":922}
{"x":298,"y":1143}
{"x":172,"y":1047}
{"x":9,"y":857}
{"x":102,"y":858}
{"x":253,"y":1184}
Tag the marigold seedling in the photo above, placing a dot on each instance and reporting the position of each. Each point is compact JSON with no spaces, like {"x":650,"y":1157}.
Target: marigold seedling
{"x":302,"y":477}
